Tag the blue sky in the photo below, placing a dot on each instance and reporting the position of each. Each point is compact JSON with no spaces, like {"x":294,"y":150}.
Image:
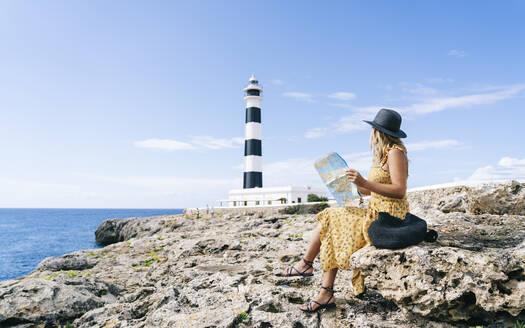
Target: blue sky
{"x":139,"y":104}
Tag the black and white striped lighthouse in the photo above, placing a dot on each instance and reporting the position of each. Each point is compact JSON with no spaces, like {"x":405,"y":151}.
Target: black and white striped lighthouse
{"x":252,"y":142}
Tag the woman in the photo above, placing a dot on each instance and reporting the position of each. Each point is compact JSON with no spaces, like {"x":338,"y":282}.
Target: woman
{"x":344,"y":230}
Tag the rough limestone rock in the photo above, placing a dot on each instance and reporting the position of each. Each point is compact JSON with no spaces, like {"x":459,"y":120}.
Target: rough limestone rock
{"x":31,"y":301}
{"x":114,"y":230}
{"x":174,"y":271}
{"x":475,"y":272}
{"x":490,"y":198}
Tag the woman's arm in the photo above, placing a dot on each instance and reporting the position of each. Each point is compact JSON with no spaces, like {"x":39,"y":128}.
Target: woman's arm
{"x":363,"y":191}
{"x":398,"y":176}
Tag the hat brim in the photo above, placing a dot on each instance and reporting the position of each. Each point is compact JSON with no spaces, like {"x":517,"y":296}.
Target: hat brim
{"x":398,"y":134}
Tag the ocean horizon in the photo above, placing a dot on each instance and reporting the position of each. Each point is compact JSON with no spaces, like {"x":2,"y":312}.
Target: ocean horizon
{"x":29,"y":235}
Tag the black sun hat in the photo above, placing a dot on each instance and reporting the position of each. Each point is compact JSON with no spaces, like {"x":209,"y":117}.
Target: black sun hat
{"x":388,"y":121}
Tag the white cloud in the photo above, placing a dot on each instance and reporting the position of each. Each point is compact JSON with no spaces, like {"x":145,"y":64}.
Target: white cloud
{"x":342,"y":95}
{"x":506,"y":169}
{"x":457,"y":53}
{"x":511,"y":162}
{"x":293,"y":171}
{"x":198,"y":142}
{"x":299,"y":96}
{"x":350,"y":123}
{"x":342,"y":105}
{"x":301,"y":171}
{"x":164,"y":144}
{"x":436,"y":144}
{"x":369,"y":110}
{"x":277,"y":82}
{"x":419,"y":89}
{"x":443,"y":103}
{"x":440,"y":80}
{"x":315,"y":133}
{"x":239,"y":166}
{"x":359,"y":161}
{"x":162,"y":183}
{"x":24,"y":192}
{"x":353,"y":122}
{"x":217,"y":143}
{"x":162,"y":191}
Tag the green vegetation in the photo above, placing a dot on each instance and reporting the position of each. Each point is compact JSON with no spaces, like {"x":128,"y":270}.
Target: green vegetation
{"x":517,"y":324}
{"x":294,"y":209}
{"x":315,"y":198}
{"x":92,"y":255}
{"x":160,"y":238}
{"x":241,"y":317}
{"x":153,"y":256}
{"x":272,"y":308}
{"x":316,"y":208}
{"x":157,"y":248}
{"x":70,"y":273}
{"x":68,"y":325}
{"x":304,"y":209}
{"x":296,"y":235}
{"x":53,"y":275}
{"x":147,"y":262}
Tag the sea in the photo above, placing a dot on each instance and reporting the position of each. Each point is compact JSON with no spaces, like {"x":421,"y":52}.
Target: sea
{"x":27,"y":236}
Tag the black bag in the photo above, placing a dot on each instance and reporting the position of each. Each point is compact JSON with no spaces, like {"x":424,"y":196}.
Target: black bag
{"x":391,"y":232}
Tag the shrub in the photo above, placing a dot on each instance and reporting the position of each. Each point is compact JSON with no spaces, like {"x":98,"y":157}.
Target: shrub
{"x":290,"y":210}
{"x":316,"y":208}
{"x":295,"y":209}
{"x":314,"y":198}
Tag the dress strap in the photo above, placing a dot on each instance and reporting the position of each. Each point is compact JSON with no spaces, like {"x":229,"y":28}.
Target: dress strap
{"x":387,"y":149}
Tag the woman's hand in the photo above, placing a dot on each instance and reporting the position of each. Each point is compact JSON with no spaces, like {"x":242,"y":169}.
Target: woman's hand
{"x":355,"y":177}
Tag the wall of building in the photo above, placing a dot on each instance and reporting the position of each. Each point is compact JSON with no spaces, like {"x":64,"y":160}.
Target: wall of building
{"x":257,"y":210}
{"x":270,"y":196}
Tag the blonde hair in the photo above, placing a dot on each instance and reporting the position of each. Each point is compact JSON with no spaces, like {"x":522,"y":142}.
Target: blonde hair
{"x":379,"y":141}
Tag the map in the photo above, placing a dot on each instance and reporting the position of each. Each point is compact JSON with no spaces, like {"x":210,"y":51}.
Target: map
{"x":332,"y":169}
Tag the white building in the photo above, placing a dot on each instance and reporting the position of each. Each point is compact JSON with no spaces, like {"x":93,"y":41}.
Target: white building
{"x":253,"y":193}
{"x":271,"y":196}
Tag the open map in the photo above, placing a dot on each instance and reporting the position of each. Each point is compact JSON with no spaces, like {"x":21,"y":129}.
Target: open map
{"x":332,"y":169}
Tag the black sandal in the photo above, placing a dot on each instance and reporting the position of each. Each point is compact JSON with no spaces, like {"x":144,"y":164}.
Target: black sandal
{"x":298,"y":274}
{"x":326,"y":305}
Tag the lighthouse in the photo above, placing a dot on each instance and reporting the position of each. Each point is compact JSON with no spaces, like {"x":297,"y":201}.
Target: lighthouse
{"x":252,"y":142}
{"x":253,"y":194}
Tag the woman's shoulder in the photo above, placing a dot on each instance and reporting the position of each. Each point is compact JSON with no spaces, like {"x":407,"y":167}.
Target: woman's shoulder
{"x":389,"y":150}
{"x":394,"y":146}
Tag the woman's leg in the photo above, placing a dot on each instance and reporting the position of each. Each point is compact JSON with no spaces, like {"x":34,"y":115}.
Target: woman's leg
{"x":324,"y":295}
{"x":310,"y":255}
{"x":314,"y":247}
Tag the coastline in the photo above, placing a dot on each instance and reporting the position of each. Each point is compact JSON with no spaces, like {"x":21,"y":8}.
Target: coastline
{"x":220,"y":271}
{"x":32,"y":234}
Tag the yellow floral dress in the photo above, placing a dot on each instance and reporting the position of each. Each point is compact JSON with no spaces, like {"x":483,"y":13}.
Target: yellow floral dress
{"x":344,"y":230}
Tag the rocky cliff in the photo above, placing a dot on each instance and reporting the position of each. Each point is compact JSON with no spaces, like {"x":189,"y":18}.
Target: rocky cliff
{"x":174,"y":271}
